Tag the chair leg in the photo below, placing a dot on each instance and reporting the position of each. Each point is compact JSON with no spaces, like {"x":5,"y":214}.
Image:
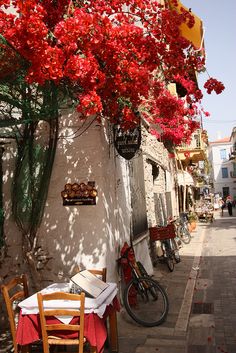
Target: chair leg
{"x":113,"y":331}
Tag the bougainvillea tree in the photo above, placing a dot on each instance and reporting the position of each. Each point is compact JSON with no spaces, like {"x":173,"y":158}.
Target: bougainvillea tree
{"x":114,"y":56}
{"x":110,"y":58}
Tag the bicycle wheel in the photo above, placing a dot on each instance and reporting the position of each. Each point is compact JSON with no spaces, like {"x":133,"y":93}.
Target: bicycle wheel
{"x":178,"y":241}
{"x":146,"y":301}
{"x":168,"y":254}
{"x":184,"y":234}
{"x":169,"y":259}
{"x":175,"y":248}
{"x":177,"y":256}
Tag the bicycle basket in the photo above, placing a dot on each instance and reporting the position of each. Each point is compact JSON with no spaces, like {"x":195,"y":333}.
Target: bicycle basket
{"x":162,"y":233}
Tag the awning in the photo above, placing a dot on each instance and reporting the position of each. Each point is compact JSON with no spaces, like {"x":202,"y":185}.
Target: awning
{"x":193,"y":34}
{"x":185,"y":178}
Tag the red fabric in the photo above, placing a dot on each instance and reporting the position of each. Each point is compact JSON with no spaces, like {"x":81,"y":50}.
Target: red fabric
{"x":127,"y":271}
{"x":29,"y":330}
{"x":115,"y":306}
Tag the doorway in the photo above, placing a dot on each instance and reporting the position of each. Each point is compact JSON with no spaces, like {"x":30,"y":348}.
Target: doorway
{"x":225,"y":191}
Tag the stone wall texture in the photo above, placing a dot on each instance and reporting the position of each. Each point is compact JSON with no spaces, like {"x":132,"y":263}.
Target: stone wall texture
{"x":86,"y":236}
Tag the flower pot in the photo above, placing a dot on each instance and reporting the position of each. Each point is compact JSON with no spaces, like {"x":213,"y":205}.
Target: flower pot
{"x":193,"y":225}
{"x":190,"y":227}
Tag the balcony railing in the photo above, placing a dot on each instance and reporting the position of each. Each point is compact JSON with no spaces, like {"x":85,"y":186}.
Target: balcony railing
{"x":196,"y":143}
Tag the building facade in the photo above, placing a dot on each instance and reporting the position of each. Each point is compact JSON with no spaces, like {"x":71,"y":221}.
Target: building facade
{"x":222,"y":168}
{"x":132,"y":195}
{"x":192,"y":160}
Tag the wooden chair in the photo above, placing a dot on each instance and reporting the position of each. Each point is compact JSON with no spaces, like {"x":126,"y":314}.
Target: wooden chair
{"x":47,"y":328}
{"x":13,"y":292}
{"x":102,"y":273}
{"x":98,"y":272}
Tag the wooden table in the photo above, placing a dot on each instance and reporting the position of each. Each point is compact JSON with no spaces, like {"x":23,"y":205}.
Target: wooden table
{"x":105,"y":309}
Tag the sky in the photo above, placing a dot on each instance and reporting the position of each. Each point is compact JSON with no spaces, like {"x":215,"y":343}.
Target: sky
{"x":220,"y":44}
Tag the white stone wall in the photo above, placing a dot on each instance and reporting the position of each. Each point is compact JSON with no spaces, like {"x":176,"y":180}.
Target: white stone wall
{"x":86,"y":236}
{"x":217,"y":164}
{"x":155,"y":153}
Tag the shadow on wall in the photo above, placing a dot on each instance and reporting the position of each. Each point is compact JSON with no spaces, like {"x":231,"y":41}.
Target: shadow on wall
{"x":85,"y":236}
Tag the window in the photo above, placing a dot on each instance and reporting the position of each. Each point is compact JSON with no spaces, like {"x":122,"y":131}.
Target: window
{"x":223,"y":154}
{"x":225,"y":173}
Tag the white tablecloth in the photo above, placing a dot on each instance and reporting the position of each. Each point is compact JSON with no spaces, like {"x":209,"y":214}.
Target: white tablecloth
{"x":97,"y":305}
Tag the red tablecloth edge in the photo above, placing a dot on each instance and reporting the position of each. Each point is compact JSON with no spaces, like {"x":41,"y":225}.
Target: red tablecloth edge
{"x":28,"y":330}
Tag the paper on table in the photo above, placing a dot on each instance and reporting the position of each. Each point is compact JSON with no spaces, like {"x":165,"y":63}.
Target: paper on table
{"x":89,"y":283}
{"x":94,"y":279}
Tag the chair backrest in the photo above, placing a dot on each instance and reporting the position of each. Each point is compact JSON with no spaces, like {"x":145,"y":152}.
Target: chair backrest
{"x":98,"y":272}
{"x":13,"y":292}
{"x":47,"y":329}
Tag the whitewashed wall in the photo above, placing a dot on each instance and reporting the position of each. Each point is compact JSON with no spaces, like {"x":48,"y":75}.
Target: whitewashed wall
{"x":86,"y":236}
{"x":217,"y":165}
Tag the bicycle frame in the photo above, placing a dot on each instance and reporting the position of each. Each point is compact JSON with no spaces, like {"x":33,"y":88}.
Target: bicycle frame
{"x":133,"y":265}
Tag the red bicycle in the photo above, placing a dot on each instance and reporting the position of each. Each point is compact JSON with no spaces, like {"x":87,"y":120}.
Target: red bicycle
{"x":145,"y":300}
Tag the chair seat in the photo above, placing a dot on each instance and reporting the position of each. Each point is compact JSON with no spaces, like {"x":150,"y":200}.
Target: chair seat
{"x":63,"y":341}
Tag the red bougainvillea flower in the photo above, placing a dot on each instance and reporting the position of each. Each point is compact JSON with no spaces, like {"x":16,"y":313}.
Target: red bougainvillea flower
{"x":112,"y":56}
{"x":207,"y":114}
{"x":9,"y":61}
{"x":214,"y":85}
{"x":129,"y":120}
{"x":90,"y":104}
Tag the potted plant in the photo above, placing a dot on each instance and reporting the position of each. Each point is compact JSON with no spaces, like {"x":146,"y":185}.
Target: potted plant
{"x":192,"y":220}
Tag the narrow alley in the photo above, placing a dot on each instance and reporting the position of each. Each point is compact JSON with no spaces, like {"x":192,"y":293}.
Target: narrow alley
{"x":201,"y":291}
{"x":117,"y":176}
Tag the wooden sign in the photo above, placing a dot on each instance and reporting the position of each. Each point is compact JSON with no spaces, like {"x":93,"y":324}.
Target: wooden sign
{"x":127,"y":142}
{"x":79,"y":194}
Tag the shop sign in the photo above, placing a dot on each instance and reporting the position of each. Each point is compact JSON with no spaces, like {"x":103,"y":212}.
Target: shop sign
{"x":127,"y":142}
{"x":79,"y":194}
